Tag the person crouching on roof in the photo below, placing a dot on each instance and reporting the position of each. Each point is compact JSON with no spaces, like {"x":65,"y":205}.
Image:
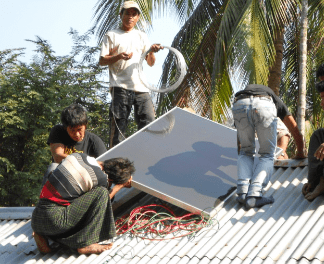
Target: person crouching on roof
{"x":74,"y":208}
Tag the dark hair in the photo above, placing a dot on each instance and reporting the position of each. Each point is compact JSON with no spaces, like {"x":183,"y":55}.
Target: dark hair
{"x":320,"y":71}
{"x":74,"y":115}
{"x":320,"y":86}
{"x":119,"y":170}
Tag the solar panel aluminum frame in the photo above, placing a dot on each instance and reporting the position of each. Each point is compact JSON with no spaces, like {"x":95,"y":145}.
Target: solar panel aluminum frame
{"x":183,"y":159}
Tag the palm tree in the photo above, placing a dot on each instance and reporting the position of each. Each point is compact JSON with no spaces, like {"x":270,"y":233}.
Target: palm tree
{"x":292,"y":76}
{"x":107,"y":13}
{"x":302,"y":68}
{"x":228,"y":44}
{"x":240,"y":40}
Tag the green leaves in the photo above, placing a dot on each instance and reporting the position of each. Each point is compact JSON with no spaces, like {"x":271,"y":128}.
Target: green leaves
{"x":228,"y":44}
{"x":107,"y":13}
{"x":32,"y":97}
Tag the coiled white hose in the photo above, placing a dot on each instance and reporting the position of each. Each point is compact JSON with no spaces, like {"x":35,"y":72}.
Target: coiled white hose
{"x":179,"y":76}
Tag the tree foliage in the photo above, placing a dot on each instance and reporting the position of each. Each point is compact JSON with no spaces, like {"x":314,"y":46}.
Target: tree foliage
{"x":32,"y":97}
{"x":228,"y":44}
{"x":237,"y":46}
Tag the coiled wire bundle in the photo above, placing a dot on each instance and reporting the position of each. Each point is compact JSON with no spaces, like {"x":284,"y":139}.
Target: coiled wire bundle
{"x":174,"y":81}
{"x":151,"y":223}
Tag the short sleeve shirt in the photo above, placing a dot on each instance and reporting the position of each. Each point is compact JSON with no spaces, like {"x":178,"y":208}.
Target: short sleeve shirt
{"x":124,"y":73}
{"x":91,"y":145}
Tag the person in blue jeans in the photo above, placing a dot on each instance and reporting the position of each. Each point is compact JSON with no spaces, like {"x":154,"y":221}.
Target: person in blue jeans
{"x":255,"y":111}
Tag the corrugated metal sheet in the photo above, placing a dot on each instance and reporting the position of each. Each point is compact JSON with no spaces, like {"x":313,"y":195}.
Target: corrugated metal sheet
{"x":289,"y":231}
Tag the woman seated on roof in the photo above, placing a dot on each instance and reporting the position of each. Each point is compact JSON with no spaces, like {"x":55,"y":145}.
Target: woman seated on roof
{"x":74,"y":208}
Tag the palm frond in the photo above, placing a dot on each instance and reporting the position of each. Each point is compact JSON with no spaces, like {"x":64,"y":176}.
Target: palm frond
{"x":107,"y":13}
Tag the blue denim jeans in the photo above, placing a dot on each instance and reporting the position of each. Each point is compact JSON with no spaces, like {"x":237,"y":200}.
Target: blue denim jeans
{"x":120,"y":109}
{"x":255,"y":115}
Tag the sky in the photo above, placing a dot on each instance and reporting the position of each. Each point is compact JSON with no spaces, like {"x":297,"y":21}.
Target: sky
{"x":51,"y":20}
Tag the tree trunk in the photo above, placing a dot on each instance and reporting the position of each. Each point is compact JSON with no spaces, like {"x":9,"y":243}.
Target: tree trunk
{"x":275,"y":71}
{"x":302,"y":68}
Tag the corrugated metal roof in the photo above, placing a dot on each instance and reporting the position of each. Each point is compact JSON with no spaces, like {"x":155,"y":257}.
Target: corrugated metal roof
{"x":289,"y":231}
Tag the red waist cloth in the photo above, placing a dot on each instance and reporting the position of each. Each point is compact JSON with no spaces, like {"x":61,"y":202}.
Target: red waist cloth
{"x":50,"y":193}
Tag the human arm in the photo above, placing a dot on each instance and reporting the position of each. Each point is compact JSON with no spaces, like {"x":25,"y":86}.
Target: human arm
{"x":118,"y":187}
{"x":113,"y":57}
{"x":291,"y":124}
{"x":57,"y":150}
{"x":58,"y":140}
{"x":150,"y":57}
{"x":307,"y":188}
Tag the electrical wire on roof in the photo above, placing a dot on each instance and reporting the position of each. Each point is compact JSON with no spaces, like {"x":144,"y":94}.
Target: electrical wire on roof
{"x":149,"y":222}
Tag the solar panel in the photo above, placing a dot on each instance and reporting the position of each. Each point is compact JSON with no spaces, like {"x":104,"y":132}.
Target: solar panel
{"x":183,"y":159}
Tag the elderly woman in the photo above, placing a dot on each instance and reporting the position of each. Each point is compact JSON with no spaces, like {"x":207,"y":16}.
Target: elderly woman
{"x":74,"y":208}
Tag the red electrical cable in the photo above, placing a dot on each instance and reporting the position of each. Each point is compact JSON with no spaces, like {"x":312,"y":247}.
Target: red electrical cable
{"x":146,"y":222}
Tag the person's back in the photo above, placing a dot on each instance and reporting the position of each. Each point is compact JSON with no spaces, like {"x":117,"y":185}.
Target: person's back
{"x":77,"y":174}
{"x":255,"y":110}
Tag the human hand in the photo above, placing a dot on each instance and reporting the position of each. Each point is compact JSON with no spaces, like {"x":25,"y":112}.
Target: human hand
{"x":319,"y":153}
{"x":156,"y":47}
{"x":122,"y":55}
{"x":125,"y":56}
{"x":128,"y":184}
{"x":301,"y":155}
{"x":100,"y":164}
{"x":306,"y":188}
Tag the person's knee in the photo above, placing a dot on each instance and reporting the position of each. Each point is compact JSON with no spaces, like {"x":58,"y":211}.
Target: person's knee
{"x":144,"y":120}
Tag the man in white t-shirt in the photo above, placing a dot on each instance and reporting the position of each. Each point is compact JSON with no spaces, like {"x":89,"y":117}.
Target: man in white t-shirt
{"x":121,"y":50}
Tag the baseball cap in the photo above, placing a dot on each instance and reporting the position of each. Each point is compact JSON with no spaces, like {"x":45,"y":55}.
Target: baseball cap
{"x":130,"y":4}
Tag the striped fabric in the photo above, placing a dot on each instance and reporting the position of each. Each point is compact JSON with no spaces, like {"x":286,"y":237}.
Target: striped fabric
{"x":76,"y":175}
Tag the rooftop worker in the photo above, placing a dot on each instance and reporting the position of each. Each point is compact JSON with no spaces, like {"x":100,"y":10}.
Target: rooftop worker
{"x":71,"y":136}
{"x":255,"y":110}
{"x":315,"y":185}
{"x":74,"y":208}
{"x":121,"y":50}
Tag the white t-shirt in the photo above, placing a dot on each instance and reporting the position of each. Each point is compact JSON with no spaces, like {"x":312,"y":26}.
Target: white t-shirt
{"x":124,"y":73}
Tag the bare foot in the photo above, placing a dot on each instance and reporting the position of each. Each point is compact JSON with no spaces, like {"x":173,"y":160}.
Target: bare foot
{"x":319,"y":189}
{"x":94,"y":249}
{"x":306,"y":188}
{"x":42,"y":243}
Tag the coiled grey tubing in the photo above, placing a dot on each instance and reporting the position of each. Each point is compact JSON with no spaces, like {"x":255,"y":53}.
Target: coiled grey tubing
{"x":176,"y":80}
